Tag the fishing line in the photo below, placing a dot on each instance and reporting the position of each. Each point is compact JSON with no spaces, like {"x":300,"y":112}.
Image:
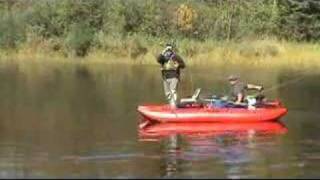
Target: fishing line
{"x":191,"y":79}
{"x":292,"y":81}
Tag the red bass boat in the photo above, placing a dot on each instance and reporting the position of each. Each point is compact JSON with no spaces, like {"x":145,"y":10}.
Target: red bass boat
{"x":271,"y":111}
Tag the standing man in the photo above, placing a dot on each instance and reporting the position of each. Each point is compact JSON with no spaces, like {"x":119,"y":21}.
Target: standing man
{"x":171,"y":63}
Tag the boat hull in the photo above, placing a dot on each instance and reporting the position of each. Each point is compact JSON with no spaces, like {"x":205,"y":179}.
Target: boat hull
{"x":164,"y":114}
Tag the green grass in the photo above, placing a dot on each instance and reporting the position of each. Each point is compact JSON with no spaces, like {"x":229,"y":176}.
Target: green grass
{"x":266,"y":53}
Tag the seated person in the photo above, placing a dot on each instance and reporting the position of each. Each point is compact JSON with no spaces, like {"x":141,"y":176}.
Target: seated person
{"x":238,"y":89}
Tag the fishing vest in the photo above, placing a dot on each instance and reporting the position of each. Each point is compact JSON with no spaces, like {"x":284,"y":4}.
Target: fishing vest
{"x":170,"y":64}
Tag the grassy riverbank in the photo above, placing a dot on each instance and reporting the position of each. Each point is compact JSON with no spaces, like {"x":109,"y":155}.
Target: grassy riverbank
{"x":268,"y":53}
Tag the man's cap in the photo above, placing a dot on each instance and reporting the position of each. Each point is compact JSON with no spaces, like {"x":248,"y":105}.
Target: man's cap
{"x":233,"y":77}
{"x":169,"y":47}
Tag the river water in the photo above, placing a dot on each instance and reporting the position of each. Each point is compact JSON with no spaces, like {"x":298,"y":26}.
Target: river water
{"x":79,"y":121}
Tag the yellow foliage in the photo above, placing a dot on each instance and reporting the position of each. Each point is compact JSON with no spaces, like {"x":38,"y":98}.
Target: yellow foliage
{"x":185,"y":17}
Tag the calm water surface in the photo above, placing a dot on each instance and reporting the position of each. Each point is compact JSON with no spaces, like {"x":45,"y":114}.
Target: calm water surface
{"x":81,"y":122}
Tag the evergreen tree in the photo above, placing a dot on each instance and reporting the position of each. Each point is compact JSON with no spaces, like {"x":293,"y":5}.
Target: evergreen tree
{"x":301,"y":19}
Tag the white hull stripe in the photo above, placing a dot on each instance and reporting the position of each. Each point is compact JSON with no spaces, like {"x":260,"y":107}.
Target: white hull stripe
{"x":195,"y":115}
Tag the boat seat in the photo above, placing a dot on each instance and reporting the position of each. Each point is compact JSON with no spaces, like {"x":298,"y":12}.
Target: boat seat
{"x":193,"y":99}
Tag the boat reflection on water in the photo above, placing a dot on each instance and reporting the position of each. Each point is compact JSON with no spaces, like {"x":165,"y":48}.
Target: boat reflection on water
{"x":156,"y":132}
{"x":172,"y":156}
{"x":230,"y":143}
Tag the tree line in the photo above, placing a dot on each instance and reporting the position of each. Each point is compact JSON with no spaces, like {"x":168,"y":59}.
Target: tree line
{"x":78,"y":25}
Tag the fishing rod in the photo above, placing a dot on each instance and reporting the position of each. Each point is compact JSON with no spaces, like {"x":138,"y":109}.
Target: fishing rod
{"x":292,"y":81}
{"x":286,"y":83}
{"x":190,"y":78}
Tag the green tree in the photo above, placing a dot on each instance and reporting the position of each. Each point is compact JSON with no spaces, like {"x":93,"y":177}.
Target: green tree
{"x":12,"y":26}
{"x":300,"y":20}
{"x":79,"y":39}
